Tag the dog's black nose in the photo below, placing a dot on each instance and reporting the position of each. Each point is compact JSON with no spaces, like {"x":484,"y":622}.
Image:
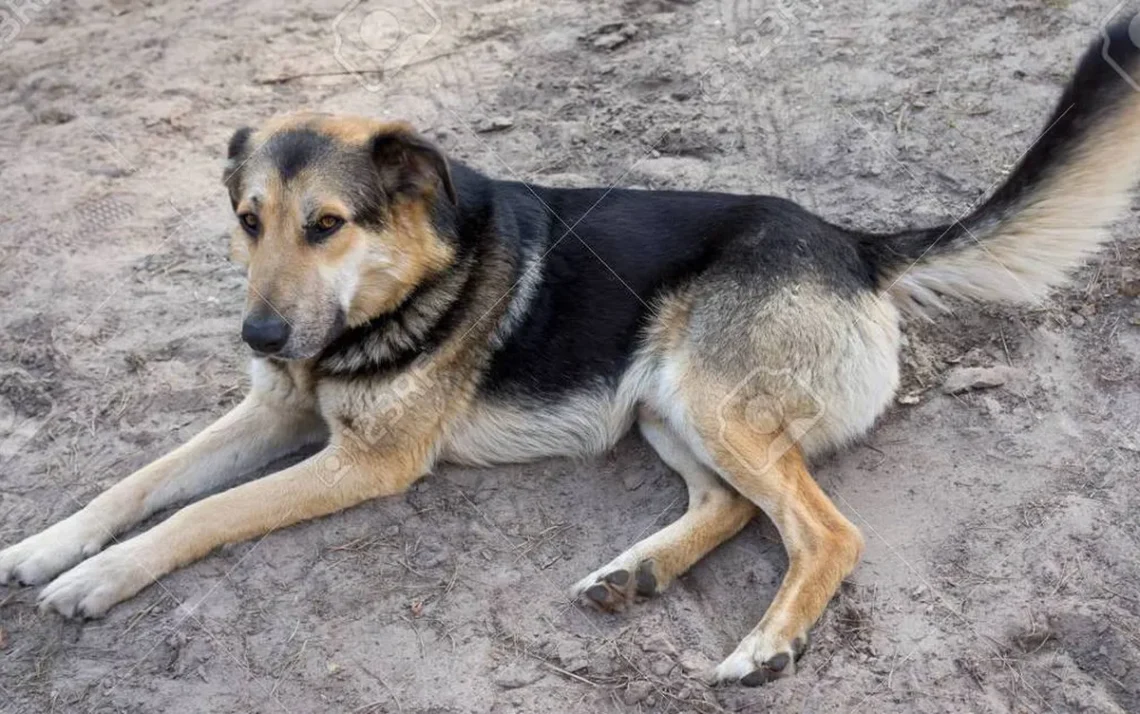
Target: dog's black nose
{"x":266,"y":334}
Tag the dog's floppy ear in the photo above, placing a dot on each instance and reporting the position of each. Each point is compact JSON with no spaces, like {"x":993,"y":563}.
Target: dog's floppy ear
{"x":410,"y":164}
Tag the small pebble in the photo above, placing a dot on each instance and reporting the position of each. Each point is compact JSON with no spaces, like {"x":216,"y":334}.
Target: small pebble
{"x":966,"y":379}
{"x":637,"y":692}
{"x":517,"y":675}
{"x":658,"y":643}
{"x":494,"y":124}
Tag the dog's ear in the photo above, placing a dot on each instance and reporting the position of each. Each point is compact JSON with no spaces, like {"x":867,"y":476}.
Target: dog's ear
{"x":236,"y":152}
{"x":411,"y":165}
{"x":239,"y":143}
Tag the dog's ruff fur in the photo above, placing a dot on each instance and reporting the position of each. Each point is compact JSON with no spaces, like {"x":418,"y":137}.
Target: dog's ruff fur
{"x":413,"y":311}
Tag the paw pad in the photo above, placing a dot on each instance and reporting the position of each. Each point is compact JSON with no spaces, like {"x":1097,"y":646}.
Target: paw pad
{"x":778,"y":666}
{"x":646,"y":580}
{"x":614,"y":590}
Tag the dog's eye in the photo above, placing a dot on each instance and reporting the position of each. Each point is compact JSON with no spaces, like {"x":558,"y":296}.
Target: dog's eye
{"x":325,"y":226}
{"x":250,"y":223}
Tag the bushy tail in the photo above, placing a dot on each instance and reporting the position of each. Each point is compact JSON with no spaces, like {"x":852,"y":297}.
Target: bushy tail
{"x":1052,"y":212}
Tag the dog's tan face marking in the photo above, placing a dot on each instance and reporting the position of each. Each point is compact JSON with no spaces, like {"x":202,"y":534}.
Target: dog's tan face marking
{"x":334,"y":225}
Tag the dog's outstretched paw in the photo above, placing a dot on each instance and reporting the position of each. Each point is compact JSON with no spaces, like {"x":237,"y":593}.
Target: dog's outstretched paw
{"x":39,"y":558}
{"x":756,"y":662}
{"x":91,"y":588}
{"x":612,"y":590}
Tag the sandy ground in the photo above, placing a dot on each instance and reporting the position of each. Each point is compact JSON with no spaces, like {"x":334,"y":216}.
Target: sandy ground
{"x":1001,"y":570}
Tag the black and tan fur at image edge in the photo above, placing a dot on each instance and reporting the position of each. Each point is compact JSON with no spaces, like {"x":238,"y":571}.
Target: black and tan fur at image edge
{"x":406,"y":311}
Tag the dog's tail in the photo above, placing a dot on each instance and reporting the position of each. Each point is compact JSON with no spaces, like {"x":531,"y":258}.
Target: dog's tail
{"x":1050,"y":214}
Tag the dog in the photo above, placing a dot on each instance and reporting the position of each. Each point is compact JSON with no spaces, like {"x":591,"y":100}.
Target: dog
{"x":405,"y":310}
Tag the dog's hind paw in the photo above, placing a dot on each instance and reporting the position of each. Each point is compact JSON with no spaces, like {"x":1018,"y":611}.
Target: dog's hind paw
{"x":758,"y":661}
{"x":613,"y":588}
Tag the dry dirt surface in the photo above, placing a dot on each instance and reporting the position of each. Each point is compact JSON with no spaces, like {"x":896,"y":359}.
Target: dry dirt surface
{"x":1001,"y":569}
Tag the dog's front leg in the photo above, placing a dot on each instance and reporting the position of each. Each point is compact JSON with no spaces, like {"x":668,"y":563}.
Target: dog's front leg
{"x":343,"y":474}
{"x":276,"y":418}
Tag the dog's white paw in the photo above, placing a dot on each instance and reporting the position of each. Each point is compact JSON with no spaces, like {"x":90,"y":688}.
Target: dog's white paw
{"x":625,"y":580}
{"x":760,"y":659}
{"x":91,"y":588}
{"x":41,"y":557}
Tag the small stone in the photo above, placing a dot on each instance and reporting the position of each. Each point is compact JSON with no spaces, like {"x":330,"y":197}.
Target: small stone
{"x":693,"y":661}
{"x":572,"y":656}
{"x":965,"y":379}
{"x":611,"y":37}
{"x":662,"y":665}
{"x":992,"y":405}
{"x":1130,"y":281}
{"x":54,"y":115}
{"x":494,"y":124}
{"x":1078,"y":321}
{"x":659,"y":643}
{"x":518,"y":674}
{"x":602,"y":665}
{"x":909,"y":399}
{"x":633,"y":480}
{"x":637,"y":692}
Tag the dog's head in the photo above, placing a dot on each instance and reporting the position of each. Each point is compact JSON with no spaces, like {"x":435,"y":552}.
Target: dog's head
{"x":338,"y":220}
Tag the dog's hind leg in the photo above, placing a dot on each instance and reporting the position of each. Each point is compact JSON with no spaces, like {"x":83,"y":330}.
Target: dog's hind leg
{"x":274,"y":420}
{"x":822,"y":545}
{"x":715,"y":514}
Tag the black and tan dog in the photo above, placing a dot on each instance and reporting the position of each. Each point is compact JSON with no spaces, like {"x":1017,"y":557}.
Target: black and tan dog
{"x":405,"y":311}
